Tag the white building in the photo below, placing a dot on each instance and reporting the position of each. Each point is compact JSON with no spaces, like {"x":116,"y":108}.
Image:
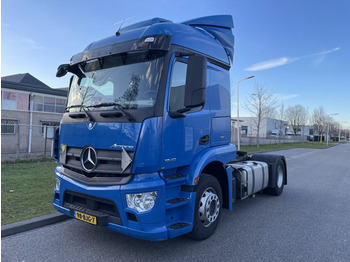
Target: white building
{"x":268,"y":127}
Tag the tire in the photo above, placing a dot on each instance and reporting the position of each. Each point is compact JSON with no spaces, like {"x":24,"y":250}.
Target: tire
{"x":208,"y":206}
{"x":279,"y":179}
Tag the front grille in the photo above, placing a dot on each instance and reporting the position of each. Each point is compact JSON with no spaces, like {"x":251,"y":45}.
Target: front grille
{"x":108,"y":163}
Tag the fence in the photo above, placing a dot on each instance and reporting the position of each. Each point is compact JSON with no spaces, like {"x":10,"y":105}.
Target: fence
{"x":248,"y":141}
{"x":26,"y":141}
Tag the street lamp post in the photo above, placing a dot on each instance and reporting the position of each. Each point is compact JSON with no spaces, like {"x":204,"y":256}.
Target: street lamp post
{"x":238,"y":126}
{"x":344,"y":131}
{"x":335,"y":114}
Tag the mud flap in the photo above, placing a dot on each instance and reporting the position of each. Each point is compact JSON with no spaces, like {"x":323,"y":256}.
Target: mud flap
{"x":231,"y":182}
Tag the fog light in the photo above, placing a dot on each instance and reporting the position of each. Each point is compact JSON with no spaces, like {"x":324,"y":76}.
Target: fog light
{"x":141,"y":202}
{"x":58,"y":184}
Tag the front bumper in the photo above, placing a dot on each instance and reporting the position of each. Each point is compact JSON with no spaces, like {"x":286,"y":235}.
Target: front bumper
{"x":150,"y":225}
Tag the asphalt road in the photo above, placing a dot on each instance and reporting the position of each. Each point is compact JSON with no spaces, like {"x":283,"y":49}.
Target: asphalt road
{"x":310,"y":221}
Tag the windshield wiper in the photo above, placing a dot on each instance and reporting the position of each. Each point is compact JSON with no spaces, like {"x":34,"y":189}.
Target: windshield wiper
{"x":91,"y":119}
{"x":119,"y":106}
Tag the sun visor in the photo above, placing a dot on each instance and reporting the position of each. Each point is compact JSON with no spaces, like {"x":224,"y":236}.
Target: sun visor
{"x":152,"y":42}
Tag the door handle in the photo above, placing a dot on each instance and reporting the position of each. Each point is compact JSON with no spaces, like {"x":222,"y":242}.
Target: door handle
{"x":204,"y":140}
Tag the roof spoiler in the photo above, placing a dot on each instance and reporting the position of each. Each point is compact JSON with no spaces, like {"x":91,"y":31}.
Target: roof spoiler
{"x":220,"y":27}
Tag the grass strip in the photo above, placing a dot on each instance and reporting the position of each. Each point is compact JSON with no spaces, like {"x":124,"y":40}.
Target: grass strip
{"x":26,"y":190}
{"x":313,"y":145}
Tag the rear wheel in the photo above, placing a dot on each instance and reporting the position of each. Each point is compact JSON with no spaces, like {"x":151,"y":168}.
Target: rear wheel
{"x":279,"y":179}
{"x":208,"y":207}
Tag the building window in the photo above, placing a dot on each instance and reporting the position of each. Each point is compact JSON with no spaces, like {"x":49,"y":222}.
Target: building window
{"x":244,"y":130}
{"x":48,"y":104}
{"x":22,"y":101}
{"x":38,"y":103}
{"x":8,"y":126}
{"x":14,"y":101}
{"x":60,"y":104}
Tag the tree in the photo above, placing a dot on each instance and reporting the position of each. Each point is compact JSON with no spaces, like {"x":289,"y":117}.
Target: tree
{"x":320,"y":119}
{"x":280,"y":121}
{"x":261,"y":104}
{"x":132,"y":92}
{"x":297,"y":117}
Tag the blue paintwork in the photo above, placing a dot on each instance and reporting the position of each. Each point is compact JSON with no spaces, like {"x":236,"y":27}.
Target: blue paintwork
{"x":158,"y":139}
{"x":149,"y":142}
{"x":220,"y":106}
{"x":222,"y":154}
{"x":101,"y":136}
{"x":182,"y":134}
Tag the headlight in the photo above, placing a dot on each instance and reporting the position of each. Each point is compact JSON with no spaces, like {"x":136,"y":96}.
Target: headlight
{"x":58,"y":183}
{"x":141,"y":202}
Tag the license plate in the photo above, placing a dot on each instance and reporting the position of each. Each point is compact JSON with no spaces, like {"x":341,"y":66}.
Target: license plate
{"x":86,"y":218}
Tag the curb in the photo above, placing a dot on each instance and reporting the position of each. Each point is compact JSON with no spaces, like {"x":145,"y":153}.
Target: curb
{"x":30,"y":224}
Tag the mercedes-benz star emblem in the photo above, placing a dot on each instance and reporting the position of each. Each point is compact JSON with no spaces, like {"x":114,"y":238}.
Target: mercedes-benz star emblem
{"x":88,"y":159}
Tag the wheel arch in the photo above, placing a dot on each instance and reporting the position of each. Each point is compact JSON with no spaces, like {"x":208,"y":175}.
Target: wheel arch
{"x":217,"y":170}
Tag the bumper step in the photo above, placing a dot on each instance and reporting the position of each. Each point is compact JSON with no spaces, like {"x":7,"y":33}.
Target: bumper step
{"x":179,"y":225}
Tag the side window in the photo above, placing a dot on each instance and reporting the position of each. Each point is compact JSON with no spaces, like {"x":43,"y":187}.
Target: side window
{"x":177,"y":88}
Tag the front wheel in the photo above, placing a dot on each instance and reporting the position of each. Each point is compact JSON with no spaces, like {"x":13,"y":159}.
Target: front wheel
{"x":208,"y":207}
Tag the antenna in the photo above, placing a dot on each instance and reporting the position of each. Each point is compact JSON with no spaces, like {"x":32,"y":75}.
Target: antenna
{"x":122,"y":22}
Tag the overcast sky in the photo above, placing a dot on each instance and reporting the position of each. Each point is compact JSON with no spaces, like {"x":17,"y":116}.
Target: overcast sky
{"x":300,"y":49}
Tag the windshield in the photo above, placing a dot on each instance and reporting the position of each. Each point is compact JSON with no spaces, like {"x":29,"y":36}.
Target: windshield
{"x":129,"y":80}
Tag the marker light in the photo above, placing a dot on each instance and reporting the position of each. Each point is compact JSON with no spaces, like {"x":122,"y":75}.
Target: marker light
{"x":149,"y":40}
{"x":58,"y":184}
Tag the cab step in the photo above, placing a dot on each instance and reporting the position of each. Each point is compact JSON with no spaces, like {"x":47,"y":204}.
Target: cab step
{"x":174,"y":178}
{"x":175,"y":202}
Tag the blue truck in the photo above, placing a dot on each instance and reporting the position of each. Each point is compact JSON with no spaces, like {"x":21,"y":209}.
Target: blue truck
{"x":144,"y":146}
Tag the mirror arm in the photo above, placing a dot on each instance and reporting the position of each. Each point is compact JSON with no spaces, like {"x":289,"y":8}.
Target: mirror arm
{"x":176,"y":114}
{"x":184,"y":110}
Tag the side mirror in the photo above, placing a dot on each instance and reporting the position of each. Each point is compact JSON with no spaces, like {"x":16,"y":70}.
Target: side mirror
{"x":62,"y":70}
{"x":196,"y":81}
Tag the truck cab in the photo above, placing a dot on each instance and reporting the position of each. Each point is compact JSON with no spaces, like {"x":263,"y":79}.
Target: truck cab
{"x":144,"y":145}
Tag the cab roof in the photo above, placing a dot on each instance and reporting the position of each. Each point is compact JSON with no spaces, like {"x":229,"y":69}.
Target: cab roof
{"x":211,"y":35}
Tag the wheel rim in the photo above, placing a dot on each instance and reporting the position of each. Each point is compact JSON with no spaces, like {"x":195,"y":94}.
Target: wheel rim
{"x":209,"y":207}
{"x":279,"y":176}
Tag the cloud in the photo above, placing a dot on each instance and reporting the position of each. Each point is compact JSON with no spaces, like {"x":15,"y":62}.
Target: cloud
{"x":269,"y":64}
{"x":326,"y":52}
{"x":285,"y":97}
{"x":287,"y":60}
{"x":27,"y":42}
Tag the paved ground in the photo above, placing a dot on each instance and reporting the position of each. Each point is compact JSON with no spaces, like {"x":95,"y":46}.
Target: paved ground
{"x":310,"y":221}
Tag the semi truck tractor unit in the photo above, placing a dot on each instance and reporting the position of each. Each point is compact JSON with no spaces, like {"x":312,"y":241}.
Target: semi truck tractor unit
{"x":144,"y":146}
